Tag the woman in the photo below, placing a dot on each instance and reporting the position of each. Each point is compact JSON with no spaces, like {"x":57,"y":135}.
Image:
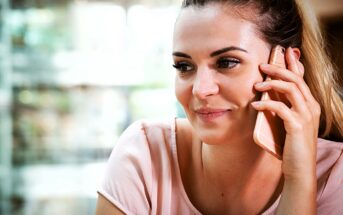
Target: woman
{"x":209,"y":163}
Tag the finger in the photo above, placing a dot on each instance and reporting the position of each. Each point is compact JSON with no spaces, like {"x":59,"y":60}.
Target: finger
{"x":286,"y":75}
{"x":280,"y":109}
{"x":290,"y":90}
{"x":291,"y":61}
{"x":301,"y":68}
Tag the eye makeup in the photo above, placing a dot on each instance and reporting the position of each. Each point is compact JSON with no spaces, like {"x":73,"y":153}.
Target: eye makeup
{"x":183,"y":66}
{"x":227,"y":63}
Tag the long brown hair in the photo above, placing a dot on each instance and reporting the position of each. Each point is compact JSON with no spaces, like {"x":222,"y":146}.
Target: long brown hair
{"x":292,"y":23}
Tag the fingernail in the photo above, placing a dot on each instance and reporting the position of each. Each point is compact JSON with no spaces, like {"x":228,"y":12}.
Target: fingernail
{"x":264,"y":65}
{"x":261,"y":84}
{"x":256,"y":104}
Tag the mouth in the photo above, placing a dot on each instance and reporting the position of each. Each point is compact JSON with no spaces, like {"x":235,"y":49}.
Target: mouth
{"x":210,"y":114}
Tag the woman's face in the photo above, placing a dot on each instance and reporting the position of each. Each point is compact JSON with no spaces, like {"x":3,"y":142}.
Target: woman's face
{"x":217,"y":55}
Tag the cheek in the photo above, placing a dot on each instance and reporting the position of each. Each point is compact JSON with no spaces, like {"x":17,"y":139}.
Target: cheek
{"x":182,"y":92}
{"x":242,"y":88}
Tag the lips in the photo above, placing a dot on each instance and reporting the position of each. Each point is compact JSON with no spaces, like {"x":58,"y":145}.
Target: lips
{"x":209,"y":114}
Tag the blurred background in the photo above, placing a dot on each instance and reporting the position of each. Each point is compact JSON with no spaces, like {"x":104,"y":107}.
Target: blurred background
{"x":73,"y":75}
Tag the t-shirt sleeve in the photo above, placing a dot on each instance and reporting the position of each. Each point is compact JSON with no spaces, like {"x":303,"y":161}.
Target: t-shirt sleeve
{"x":128,"y":176}
{"x":331,"y":201}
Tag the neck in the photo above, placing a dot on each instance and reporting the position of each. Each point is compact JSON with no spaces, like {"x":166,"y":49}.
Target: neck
{"x":238,"y":163}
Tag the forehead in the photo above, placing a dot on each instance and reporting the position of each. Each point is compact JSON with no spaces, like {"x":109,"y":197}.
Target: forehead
{"x":214,"y":25}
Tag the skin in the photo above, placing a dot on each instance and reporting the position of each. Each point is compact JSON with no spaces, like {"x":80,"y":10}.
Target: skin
{"x":222,"y":169}
{"x":105,"y":207}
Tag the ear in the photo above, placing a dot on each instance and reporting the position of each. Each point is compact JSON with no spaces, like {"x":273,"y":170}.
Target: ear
{"x":297,"y":53}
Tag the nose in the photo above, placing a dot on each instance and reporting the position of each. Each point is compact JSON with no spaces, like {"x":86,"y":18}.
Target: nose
{"x":204,"y":84}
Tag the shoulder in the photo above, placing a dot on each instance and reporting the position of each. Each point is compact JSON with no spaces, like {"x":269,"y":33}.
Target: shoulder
{"x":330,"y":176}
{"x":142,"y":141}
{"x":146,"y":131}
{"x":144,"y":126}
{"x":130,"y":174}
{"x":328,"y":154}
{"x":328,"y":151}
{"x":136,"y":147}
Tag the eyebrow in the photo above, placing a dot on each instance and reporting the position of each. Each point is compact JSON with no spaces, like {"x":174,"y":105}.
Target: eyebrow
{"x":213,"y":54}
{"x":227,"y":49}
{"x":180,"y":54}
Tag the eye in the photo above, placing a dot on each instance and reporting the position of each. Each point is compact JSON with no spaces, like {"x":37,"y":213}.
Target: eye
{"x":183,"y":67}
{"x":227,"y":63}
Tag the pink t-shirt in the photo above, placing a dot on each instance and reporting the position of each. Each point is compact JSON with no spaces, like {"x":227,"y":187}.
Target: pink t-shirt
{"x":143,"y":174}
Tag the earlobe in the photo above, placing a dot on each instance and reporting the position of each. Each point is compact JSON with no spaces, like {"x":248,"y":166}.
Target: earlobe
{"x":297,"y":53}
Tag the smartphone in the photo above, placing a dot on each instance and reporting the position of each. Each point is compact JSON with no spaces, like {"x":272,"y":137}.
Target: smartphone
{"x":269,"y":131}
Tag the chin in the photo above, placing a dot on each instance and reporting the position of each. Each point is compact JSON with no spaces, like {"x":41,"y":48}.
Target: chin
{"x":213,"y":136}
{"x":218,"y":135}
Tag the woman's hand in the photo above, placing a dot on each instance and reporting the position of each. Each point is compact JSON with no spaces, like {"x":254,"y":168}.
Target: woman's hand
{"x":301,"y":121}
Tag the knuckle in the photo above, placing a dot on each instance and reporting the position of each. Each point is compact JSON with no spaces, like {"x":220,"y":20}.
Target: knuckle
{"x":297,"y":126}
{"x":294,"y":86}
{"x":282,"y":71}
{"x":308,"y":117}
{"x":281,"y":106}
{"x":302,"y":69}
{"x":317,"y":109}
{"x":298,"y":79}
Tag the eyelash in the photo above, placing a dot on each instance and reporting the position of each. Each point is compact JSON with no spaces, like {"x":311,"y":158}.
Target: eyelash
{"x":222,"y":63}
{"x":227,"y":62}
{"x":180,"y":67}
